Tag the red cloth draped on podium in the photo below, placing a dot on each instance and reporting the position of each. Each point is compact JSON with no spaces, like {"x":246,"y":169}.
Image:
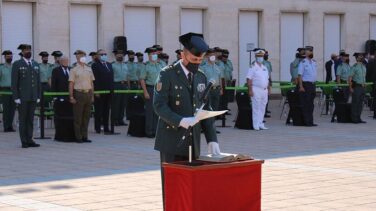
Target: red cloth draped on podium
{"x":213,"y":186}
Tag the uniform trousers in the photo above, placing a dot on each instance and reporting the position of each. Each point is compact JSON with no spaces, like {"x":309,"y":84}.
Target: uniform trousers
{"x":357,"y":103}
{"x":307,"y":101}
{"x":26,"y":118}
{"x":259,"y":101}
{"x":151,"y":118}
{"x":9,"y":109}
{"x":81,"y":114}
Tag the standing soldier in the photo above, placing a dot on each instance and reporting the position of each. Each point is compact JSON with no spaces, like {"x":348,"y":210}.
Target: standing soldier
{"x":56,"y":55}
{"x":268,"y":65}
{"x":140,"y":66}
{"x":9,"y":107}
{"x":177,"y":94}
{"x":258,"y":88}
{"x":307,"y":75}
{"x":212,"y":71}
{"x":148,"y":78}
{"x":45,"y":71}
{"x":132,"y":70}
{"x":94,"y":58}
{"x":343,"y":70}
{"x":357,"y":80}
{"x":26,"y":93}
{"x":159,"y":52}
{"x":178,"y":55}
{"x":120,"y":83}
{"x":81,"y":95}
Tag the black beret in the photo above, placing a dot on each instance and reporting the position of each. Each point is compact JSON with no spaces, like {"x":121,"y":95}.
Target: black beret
{"x":225,"y":51}
{"x":358,"y":54}
{"x":80,"y":52}
{"x":158,"y":47}
{"x":43,"y":54}
{"x":7,"y":52}
{"x":194,"y":43}
{"x":300,"y":49}
{"x":210,"y":50}
{"x":130,"y":52}
{"x":24,"y":46}
{"x":93,"y":53}
{"x":309,"y":48}
{"x":150,"y":50}
{"x":57,"y":54}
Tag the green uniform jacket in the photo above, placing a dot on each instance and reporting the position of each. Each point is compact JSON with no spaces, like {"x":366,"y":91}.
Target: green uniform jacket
{"x":26,"y":81}
{"x":5,"y":75}
{"x":172,"y":102}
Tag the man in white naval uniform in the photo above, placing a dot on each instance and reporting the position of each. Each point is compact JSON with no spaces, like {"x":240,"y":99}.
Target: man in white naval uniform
{"x":258,"y":89}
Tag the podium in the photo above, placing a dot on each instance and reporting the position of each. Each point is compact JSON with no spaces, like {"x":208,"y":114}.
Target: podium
{"x":213,"y":186}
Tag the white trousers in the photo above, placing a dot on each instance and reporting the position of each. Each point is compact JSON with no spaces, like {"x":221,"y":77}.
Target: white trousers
{"x":259,"y":101}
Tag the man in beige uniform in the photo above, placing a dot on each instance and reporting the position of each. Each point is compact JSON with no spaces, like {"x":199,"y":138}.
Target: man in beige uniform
{"x":81,"y":92}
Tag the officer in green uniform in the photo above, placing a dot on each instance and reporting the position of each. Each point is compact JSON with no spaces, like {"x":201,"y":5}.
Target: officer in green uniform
{"x":212,"y":72}
{"x":121,"y":82}
{"x":165,"y":57}
{"x":343,"y":70}
{"x":178,"y":93}
{"x":140,"y":66}
{"x":56,"y":55}
{"x":9,"y":107}
{"x":159,"y":52}
{"x":294,"y":66}
{"x":148,"y":77}
{"x":268,"y":65}
{"x":357,"y":80}
{"x":132,"y":70}
{"x":45,"y":71}
{"x":26,"y":93}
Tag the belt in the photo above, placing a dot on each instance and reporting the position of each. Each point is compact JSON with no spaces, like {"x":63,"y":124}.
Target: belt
{"x":134,"y":82}
{"x":343,"y":81}
{"x":82,"y":90}
{"x":357,"y":85}
{"x":120,"y":82}
{"x":150,"y":86}
{"x":215,"y":87}
{"x":309,"y":82}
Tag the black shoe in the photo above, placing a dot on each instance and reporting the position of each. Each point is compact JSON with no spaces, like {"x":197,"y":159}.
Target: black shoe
{"x":311,"y":125}
{"x":25,"y":146}
{"x":85,"y":140}
{"x":268,"y":112}
{"x":218,"y":132}
{"x":108,"y":133}
{"x":267,"y":116}
{"x":9,"y":130}
{"x":33,"y":144}
{"x":79,"y":141}
{"x":150,"y":136}
{"x":361,"y":121}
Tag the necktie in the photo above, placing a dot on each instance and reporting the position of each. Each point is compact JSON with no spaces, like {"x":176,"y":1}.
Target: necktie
{"x":104,"y":63}
{"x":29,"y":63}
{"x":190,"y":78}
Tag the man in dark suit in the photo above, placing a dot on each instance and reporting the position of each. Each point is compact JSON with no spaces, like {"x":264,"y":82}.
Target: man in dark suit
{"x":26,"y":90}
{"x":63,"y":110}
{"x":331,"y":72}
{"x":104,"y":80}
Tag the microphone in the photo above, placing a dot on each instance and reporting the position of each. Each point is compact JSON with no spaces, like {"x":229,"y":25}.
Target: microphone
{"x":207,"y":90}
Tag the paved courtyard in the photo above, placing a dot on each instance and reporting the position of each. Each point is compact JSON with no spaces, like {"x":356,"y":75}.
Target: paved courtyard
{"x":329,"y":167}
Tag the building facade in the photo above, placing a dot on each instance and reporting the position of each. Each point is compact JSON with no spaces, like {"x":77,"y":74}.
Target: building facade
{"x":280,"y":26}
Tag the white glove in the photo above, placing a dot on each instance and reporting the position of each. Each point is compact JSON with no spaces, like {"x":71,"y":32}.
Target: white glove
{"x":38,"y":100}
{"x":17,"y":101}
{"x":188,"y":122}
{"x":213,"y":148}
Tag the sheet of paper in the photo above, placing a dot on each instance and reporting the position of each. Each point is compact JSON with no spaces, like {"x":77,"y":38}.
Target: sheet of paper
{"x":202,"y":114}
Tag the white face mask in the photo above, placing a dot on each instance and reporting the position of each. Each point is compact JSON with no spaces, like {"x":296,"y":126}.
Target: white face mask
{"x":83,"y":59}
{"x":259,"y":59}
{"x":212,"y":58}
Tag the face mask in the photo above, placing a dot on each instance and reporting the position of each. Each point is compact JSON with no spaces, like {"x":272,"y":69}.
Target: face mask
{"x":8,"y":61}
{"x":259,"y":59}
{"x":266,"y":57}
{"x":154,"y":57}
{"x":193,"y":67}
{"x":131,"y":59}
{"x":103,"y":58}
{"x":212,"y":58}
{"x":83,"y":59}
{"x":45,"y":61}
{"x":27,"y":55}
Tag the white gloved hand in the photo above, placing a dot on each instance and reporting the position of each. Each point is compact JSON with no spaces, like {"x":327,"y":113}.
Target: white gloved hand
{"x":188,"y":122}
{"x":213,"y":148}
{"x":17,"y":101}
{"x":38,"y":100}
